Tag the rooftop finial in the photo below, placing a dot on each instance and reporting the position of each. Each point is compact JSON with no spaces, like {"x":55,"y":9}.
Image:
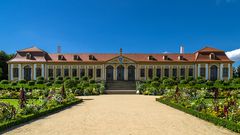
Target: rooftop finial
{"x":121,"y":51}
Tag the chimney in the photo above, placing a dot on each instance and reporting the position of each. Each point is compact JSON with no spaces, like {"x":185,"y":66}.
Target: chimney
{"x":181,"y":50}
{"x":59,"y":49}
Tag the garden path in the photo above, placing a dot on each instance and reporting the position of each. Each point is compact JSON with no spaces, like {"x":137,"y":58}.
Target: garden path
{"x":120,"y":115}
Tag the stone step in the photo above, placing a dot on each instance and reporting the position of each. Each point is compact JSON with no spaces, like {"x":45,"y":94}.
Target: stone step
{"x":120,"y":91}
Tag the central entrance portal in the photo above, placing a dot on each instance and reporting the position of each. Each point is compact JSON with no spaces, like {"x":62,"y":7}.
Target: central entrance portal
{"x":120,"y":73}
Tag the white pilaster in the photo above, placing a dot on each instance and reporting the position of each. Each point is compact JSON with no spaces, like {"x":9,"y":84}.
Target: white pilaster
{"x":34,"y":71}
{"x":199,"y":66}
{"x":20,"y":72}
{"x":206,"y":67}
{"x":11,"y":67}
{"x":221,"y":71}
{"x":229,"y":70}
{"x":42,"y":70}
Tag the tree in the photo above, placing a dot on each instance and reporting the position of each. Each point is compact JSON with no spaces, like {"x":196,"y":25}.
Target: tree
{"x":3,"y":64}
{"x":238,"y":71}
{"x":234,"y":72}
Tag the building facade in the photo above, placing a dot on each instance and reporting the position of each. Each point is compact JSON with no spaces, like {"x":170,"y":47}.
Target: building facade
{"x":209,"y":63}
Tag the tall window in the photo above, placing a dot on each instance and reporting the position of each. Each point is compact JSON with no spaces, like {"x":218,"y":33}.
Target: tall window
{"x":98,"y":72}
{"x":58,"y":72}
{"x":182,"y":72}
{"x":38,"y":72}
{"x":15,"y":72}
{"x":142,"y":72}
{"x":90,"y":73}
{"x":174,"y":72}
{"x":190,"y":72}
{"x":202,"y":72}
{"x":66,"y":72}
{"x":82,"y":72}
{"x":50,"y":72}
{"x":74,"y":72}
{"x":225,"y":72}
{"x":150,"y":72}
{"x":166,"y":72}
{"x":158,"y":72}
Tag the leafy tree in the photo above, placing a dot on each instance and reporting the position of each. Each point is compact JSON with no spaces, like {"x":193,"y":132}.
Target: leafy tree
{"x":238,"y":71}
{"x":235,"y":72}
{"x":3,"y":64}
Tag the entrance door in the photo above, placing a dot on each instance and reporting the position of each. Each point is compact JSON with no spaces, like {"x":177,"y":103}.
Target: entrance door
{"x":120,"y":73}
{"x":27,"y":73}
{"x":131,"y":73}
{"x":213,"y":73}
{"x":109,"y":73}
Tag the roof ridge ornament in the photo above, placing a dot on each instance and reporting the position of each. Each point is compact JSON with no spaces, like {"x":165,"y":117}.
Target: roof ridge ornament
{"x":120,"y":51}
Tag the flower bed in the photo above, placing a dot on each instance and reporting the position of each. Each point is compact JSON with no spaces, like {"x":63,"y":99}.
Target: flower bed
{"x":25,"y":118}
{"x":217,"y":121}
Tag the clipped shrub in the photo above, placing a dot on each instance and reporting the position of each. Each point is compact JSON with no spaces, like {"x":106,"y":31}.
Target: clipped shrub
{"x":192,"y":83}
{"x":190,"y":78}
{"x":183,"y":82}
{"x":22,"y":82}
{"x":50,"y":78}
{"x":58,"y":82}
{"x":49,"y":84}
{"x":84,"y":78}
{"x":14,"y":84}
{"x":209,"y":83}
{"x":169,"y":82}
{"x":60,"y":78}
{"x":155,"y":79}
{"x":40,"y":78}
{"x":76,"y":78}
{"x":66,"y":78}
{"x":70,"y":84}
{"x":31,"y":83}
{"x":39,"y":82}
{"x":155,"y":84}
{"x":182,"y":78}
{"x":4,"y":82}
{"x":91,"y":81}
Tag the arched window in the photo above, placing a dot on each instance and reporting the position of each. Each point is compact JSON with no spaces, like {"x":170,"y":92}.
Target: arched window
{"x":212,"y":56}
{"x":28,"y":56}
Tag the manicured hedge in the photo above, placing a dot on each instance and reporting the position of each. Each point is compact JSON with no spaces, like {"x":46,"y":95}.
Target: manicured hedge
{"x":217,"y":121}
{"x":8,"y":124}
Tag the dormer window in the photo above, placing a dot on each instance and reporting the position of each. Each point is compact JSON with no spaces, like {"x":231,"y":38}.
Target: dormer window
{"x":180,"y":57}
{"x":212,"y":56}
{"x":91,"y":57}
{"x":60,"y":57}
{"x":28,"y":56}
{"x":165,"y":57}
{"x":151,"y":57}
{"x":76,"y":57}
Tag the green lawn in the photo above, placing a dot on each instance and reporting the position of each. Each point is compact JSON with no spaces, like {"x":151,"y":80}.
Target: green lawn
{"x":15,"y":103}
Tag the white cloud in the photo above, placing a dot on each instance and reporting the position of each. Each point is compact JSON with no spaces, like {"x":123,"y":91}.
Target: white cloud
{"x":234,"y":54}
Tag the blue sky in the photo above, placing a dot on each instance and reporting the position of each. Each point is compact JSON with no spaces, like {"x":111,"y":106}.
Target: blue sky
{"x":145,"y":26}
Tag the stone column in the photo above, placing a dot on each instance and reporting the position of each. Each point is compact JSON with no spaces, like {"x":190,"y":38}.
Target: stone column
{"x":20,"y":72}
{"x":11,"y":74}
{"x":221,"y":71}
{"x":34,"y":71}
{"x":229,"y":71}
{"x":206,"y":66}
{"x":125,"y":72}
{"x":199,"y":66}
{"x":43,"y":70}
{"x":114,"y":73}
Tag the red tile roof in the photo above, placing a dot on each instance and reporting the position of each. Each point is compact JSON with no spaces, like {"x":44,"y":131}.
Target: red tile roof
{"x":32,"y":49}
{"x":200,"y":56}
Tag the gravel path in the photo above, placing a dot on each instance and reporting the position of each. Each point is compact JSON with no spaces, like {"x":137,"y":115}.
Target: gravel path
{"x":120,"y":115}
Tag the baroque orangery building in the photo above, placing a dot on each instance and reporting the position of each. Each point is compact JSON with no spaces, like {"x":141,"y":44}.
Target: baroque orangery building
{"x":209,"y":63}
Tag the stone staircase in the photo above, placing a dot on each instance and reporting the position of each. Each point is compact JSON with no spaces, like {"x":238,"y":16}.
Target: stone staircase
{"x":121,"y":87}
